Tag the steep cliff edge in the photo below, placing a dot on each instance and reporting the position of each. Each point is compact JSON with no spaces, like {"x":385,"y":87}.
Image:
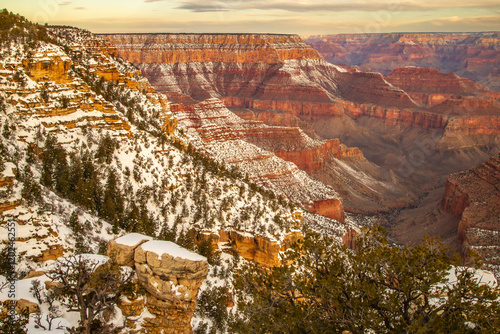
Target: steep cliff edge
{"x":473,"y":196}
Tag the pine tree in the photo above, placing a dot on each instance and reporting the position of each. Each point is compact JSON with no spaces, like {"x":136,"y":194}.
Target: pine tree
{"x":113,"y":203}
{"x":32,"y":192}
{"x":377,"y":287}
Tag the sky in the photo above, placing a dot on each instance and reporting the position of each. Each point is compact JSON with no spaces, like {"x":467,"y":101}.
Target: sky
{"x":303,"y":17}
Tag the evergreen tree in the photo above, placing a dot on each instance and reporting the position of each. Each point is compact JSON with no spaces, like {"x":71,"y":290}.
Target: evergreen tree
{"x":113,"y":203}
{"x":379,"y":288}
{"x":32,"y":192}
{"x":206,"y":249}
{"x":85,"y":286}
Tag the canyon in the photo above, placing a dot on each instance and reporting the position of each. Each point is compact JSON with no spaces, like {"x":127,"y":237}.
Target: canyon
{"x":385,"y":142}
{"x":474,"y":56}
{"x":379,"y":122}
{"x":233,"y":146}
{"x":473,"y":196}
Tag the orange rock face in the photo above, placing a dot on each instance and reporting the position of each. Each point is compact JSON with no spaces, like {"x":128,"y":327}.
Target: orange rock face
{"x":314,"y":159}
{"x":331,"y":208}
{"x":184,"y":48}
{"x":49,"y":65}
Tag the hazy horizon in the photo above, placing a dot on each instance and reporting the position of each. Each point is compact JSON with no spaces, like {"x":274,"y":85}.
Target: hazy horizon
{"x":306,"y":17}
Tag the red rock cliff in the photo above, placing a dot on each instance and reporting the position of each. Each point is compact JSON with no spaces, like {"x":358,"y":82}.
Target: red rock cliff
{"x":251,"y":145}
{"x":225,"y":48}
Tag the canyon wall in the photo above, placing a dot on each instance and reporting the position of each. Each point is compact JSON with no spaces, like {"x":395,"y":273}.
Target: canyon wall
{"x":250,"y":145}
{"x":471,"y":55}
{"x":273,"y":68}
{"x":473,"y":196}
{"x":281,"y":81}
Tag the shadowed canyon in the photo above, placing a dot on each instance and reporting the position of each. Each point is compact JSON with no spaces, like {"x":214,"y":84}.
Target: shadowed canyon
{"x":384,"y":142}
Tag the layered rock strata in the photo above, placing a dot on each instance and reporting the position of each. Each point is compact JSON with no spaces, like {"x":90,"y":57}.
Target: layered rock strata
{"x":472,"y":55}
{"x":278,"y":72}
{"x":473,"y":196}
{"x":250,"y":146}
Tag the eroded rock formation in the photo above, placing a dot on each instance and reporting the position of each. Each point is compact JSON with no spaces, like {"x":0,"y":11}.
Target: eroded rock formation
{"x":474,"y":197}
{"x":250,"y":146}
{"x":171,"y":276}
{"x":277,"y":72}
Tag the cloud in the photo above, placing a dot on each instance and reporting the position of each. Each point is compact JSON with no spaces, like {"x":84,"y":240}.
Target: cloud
{"x":452,"y":24}
{"x":65,"y":3}
{"x":149,"y":1}
{"x":332,"y":5}
{"x":80,"y":8}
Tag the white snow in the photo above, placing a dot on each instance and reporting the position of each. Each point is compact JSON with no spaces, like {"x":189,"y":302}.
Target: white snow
{"x":166,"y":247}
{"x":22,"y":288}
{"x":482,"y":277}
{"x":132,"y":239}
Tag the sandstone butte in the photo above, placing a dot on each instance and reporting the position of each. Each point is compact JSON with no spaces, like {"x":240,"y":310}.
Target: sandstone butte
{"x":471,"y":55}
{"x":473,"y":196}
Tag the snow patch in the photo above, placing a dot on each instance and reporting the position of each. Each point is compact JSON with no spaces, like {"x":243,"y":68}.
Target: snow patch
{"x":166,"y":247}
{"x":132,"y":239}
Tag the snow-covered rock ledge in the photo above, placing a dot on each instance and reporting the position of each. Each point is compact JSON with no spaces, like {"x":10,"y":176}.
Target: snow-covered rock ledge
{"x":171,"y":276}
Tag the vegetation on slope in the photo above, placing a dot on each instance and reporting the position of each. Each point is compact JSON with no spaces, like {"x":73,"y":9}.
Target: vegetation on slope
{"x":99,"y":181}
{"x":375,"y":288}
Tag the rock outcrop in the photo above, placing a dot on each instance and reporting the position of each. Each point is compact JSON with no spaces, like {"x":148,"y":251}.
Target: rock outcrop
{"x":471,"y":55}
{"x":122,"y":250}
{"x":473,"y":196}
{"x":171,"y":276}
{"x":262,"y":250}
